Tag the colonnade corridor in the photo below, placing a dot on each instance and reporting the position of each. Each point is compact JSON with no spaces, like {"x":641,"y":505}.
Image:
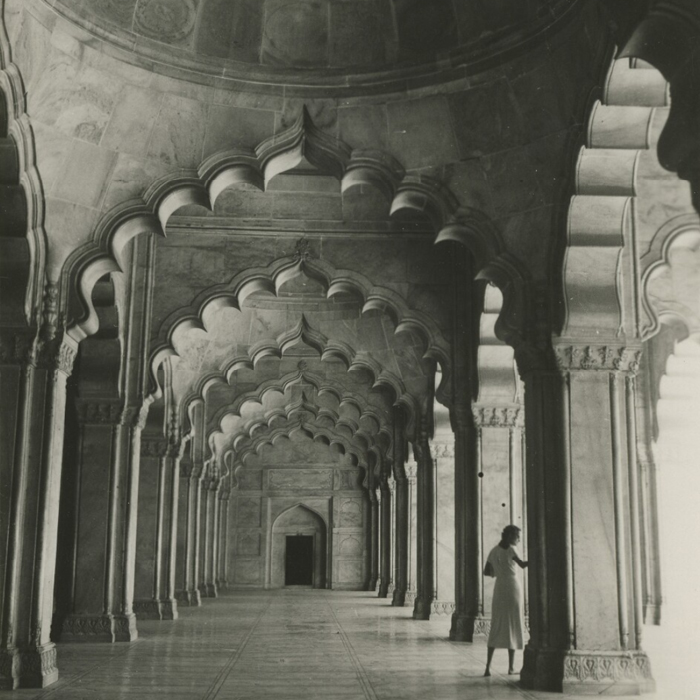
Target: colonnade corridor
{"x":288,"y":644}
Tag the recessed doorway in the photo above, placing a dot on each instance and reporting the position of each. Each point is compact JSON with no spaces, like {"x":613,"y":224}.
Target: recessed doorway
{"x":299,"y":560}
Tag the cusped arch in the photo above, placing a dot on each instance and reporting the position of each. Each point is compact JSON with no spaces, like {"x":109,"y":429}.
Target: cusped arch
{"x":269,"y":279}
{"x":252,"y":168}
{"x":680,"y":231}
{"x":279,"y":520}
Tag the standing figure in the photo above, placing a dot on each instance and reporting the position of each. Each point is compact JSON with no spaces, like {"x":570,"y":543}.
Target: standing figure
{"x":507,"y":609}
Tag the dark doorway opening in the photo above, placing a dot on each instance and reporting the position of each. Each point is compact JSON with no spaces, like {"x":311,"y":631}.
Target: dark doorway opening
{"x":299,"y":561}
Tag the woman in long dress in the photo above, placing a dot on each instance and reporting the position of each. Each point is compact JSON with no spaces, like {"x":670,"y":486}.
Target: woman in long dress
{"x":507,"y":609}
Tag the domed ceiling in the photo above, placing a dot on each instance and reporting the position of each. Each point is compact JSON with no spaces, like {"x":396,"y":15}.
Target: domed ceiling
{"x":259,"y":39}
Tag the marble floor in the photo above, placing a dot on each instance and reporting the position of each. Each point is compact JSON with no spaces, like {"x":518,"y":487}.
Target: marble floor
{"x":288,"y":645}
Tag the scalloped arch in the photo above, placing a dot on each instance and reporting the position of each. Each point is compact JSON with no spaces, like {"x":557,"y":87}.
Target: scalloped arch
{"x":253,"y":168}
{"x":656,"y":258}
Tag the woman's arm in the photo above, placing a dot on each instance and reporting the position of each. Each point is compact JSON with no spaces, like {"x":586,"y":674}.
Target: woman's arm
{"x":522,"y":564}
{"x":488,"y":570}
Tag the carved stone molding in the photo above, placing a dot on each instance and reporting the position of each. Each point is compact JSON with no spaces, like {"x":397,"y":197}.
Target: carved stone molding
{"x":22,"y":347}
{"x":602,"y":668}
{"x":155,"y":447}
{"x":499,"y":416}
{"x":439,"y":607}
{"x":442,"y":450}
{"x":606,"y":358}
{"x":112,"y":628}
{"x":412,"y":472}
{"x":36,"y":667}
{"x":136,"y":416}
{"x":99,"y":413}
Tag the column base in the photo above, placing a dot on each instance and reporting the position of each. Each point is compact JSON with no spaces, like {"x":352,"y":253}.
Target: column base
{"x":587,"y":672}
{"x":28,"y":668}
{"x":421,"y":608}
{"x":398,"y":599}
{"x":372,"y":584}
{"x":442,"y":607}
{"x":156,"y":609}
{"x":410,"y":597}
{"x":652,"y":614}
{"x":212,"y":591}
{"x":98,"y":628}
{"x":465,"y":627}
{"x":189,"y":598}
{"x":390,"y":589}
{"x":383,"y":590}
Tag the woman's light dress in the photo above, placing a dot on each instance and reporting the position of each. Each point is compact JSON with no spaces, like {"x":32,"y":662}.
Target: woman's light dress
{"x":507,"y":609}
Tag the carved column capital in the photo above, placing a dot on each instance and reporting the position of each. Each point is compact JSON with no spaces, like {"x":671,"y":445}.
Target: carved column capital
{"x":412,"y":472}
{"x":498,"y":416}
{"x":606,"y":358}
{"x":99,"y":412}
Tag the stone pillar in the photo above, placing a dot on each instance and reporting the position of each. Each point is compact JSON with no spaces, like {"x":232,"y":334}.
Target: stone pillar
{"x":385,"y":539}
{"x":104,"y":480}
{"x":33,"y":375}
{"x":223,"y":539}
{"x":582,"y":483}
{"x":401,"y":546}
{"x":412,"y":563}
{"x":444,"y":510}
{"x":186,"y":591}
{"x":157,"y":530}
{"x":499,"y":437}
{"x":392,"y":539}
{"x":213,"y":539}
{"x":374,"y":540}
{"x":468,"y":617}
{"x":202,"y":549}
{"x":425,"y":526}
{"x":210,"y":503}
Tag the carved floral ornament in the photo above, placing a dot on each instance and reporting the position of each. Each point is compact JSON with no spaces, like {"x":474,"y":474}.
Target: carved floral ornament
{"x":601,"y":667}
{"x":499,"y":416}
{"x":442,"y":450}
{"x":598,"y":358}
{"x":99,"y":413}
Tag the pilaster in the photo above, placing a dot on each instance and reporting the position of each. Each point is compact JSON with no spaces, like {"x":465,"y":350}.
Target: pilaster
{"x":33,"y":372}
{"x":586,"y":611}
{"x":412,"y":526}
{"x":443,"y":455}
{"x":385,"y":538}
{"x":425,"y":526}
{"x":374,"y":540}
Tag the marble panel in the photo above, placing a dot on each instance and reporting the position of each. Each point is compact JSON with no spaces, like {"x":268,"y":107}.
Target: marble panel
{"x":349,"y":547}
{"x":247,"y":571}
{"x":295,"y":33}
{"x":349,"y":571}
{"x":86,"y":174}
{"x":229,"y":128}
{"x":514,"y":184}
{"x":249,"y":512}
{"x":310,"y":479}
{"x":178,"y":137}
{"x":346,"y":480}
{"x":351,"y":513}
{"x":307,"y":206}
{"x":130,"y":177}
{"x":421,"y":132}
{"x":249,"y":480}
{"x":52,"y":149}
{"x":364,"y":126}
{"x":357,"y":33}
{"x":248,"y":543}
{"x":230,"y":29}
{"x":132,"y":120}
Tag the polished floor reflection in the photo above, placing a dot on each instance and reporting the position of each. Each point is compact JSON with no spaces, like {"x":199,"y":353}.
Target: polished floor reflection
{"x":287,"y":645}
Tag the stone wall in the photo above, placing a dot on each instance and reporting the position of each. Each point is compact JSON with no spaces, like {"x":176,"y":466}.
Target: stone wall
{"x":298,"y":472}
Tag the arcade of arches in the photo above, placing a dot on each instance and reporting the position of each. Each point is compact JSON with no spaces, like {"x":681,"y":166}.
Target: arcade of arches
{"x":326,"y":293}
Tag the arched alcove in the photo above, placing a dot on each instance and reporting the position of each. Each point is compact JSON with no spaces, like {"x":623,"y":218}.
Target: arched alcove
{"x":295,"y":528}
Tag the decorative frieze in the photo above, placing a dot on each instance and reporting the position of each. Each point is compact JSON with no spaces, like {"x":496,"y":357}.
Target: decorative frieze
{"x":601,"y":667}
{"x":442,"y":450}
{"x":498,"y":416}
{"x":99,"y":413}
{"x":607,"y":358}
{"x":439,"y":607}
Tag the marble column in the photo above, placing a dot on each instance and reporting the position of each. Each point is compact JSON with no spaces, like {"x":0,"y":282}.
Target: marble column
{"x":444,"y":529}
{"x":468,"y":617}
{"x":412,"y":563}
{"x":392,"y":539}
{"x":425,"y":527}
{"x":586,"y":611}
{"x":401,"y":546}
{"x":385,"y":539}
{"x":374,"y":540}
{"x":104,"y":481}
{"x":213,"y":539}
{"x":33,"y":373}
{"x":223,"y":538}
{"x":500,"y":462}
{"x":186,"y":591}
{"x":209,"y":509}
{"x":156,"y":541}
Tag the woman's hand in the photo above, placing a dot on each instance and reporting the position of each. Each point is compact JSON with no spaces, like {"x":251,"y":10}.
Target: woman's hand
{"x":522,"y":564}
{"x":488,"y":569}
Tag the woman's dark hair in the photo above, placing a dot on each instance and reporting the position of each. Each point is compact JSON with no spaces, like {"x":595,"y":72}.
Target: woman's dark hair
{"x":508,"y":531}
